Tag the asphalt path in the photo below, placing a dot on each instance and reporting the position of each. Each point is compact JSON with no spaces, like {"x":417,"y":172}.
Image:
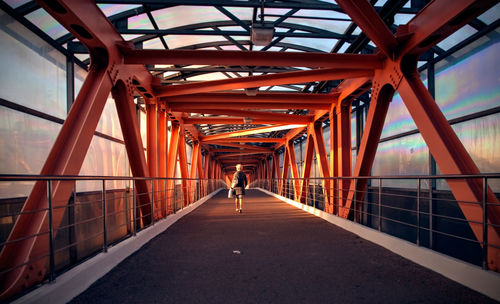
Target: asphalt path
{"x":270,"y":253}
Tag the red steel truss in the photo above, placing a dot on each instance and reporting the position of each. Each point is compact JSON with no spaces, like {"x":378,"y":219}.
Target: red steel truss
{"x":118,"y":68}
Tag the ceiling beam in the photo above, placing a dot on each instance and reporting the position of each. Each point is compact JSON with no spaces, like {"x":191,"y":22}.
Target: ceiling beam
{"x":283,"y":78}
{"x":249,"y":132}
{"x":258,"y":115}
{"x":199,"y":106}
{"x":245,"y":140}
{"x":261,"y":97}
{"x":252,"y":58}
{"x":365,"y":16}
{"x":236,"y":121}
{"x":262,"y":150}
{"x":240,"y":154}
{"x":241,"y":147}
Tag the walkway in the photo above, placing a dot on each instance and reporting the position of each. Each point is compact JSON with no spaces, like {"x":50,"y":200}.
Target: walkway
{"x":286,"y":256}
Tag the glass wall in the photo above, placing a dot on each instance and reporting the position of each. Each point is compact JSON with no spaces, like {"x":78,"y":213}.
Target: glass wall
{"x":32,"y":118}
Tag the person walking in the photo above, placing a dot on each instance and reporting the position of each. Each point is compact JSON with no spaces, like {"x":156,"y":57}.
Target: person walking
{"x":239,"y":184}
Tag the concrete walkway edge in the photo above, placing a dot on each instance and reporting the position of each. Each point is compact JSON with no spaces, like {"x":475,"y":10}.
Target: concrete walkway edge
{"x":76,"y":280}
{"x":472,"y":276}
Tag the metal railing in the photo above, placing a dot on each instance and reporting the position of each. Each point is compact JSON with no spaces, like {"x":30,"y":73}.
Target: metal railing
{"x":418,"y":211}
{"x":91,"y":221}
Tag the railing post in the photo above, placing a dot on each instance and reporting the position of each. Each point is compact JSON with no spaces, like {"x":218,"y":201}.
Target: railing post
{"x":337,"y":199}
{"x":431,"y":243}
{"x":104,"y":228}
{"x":166,"y":196}
{"x":485,"y":223}
{"x":152,"y":202}
{"x":314,"y":194}
{"x":418,"y":211}
{"x":354,"y":201}
{"x":51,"y":233}
{"x":134,"y":202}
{"x":379,"y":204}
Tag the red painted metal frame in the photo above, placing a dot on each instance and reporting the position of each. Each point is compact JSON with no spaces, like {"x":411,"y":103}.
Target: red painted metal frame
{"x":162,"y":156}
{"x":114,"y":63}
{"x":290,"y":150}
{"x":207,"y":57}
{"x":264,"y":80}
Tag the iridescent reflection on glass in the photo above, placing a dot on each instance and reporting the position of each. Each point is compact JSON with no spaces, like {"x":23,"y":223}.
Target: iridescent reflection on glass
{"x":113,"y":9}
{"x":46,"y":23}
{"x":104,"y":158}
{"x":470,"y":84}
{"x":109,"y":123}
{"x":26,"y":59}
{"x":408,"y":155}
{"x":25,"y":142}
{"x":481,"y":138}
{"x":185,"y":15}
{"x":398,"y":119}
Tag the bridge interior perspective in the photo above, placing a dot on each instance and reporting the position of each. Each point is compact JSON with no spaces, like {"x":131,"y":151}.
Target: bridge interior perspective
{"x":120,"y":117}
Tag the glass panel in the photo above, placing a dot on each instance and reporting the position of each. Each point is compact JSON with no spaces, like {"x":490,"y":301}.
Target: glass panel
{"x":481,"y":138}
{"x":25,"y":142}
{"x":80,"y":75}
{"x":104,"y":158}
{"x":113,"y":9}
{"x":457,"y":37}
{"x":143,"y":127}
{"x":185,"y":15}
{"x":470,"y":84}
{"x":325,"y":45}
{"x":398,"y":119}
{"x":403,"y":156}
{"x":140,"y":22}
{"x":16,"y":3}
{"x":26,"y":59}
{"x":178,"y":41}
{"x":109,"y":123}
{"x":336,"y":26}
{"x":353,"y":130}
{"x":490,"y":15}
{"x":46,"y":23}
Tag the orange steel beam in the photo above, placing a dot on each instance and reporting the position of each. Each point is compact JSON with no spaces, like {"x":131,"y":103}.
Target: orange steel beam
{"x":194,"y":169}
{"x":438,"y":20}
{"x":333,"y":159}
{"x":284,"y":172}
{"x":321,"y":156}
{"x":262,"y":97}
{"x":183,"y":166}
{"x":125,"y":108}
{"x":263,"y":80}
{"x":247,"y":132}
{"x":206,"y":168}
{"x":246,"y":140}
{"x":263,"y":150}
{"x":173,"y":151}
{"x":237,"y":121}
{"x":240,"y":154}
{"x":257,"y":115}
{"x":208,"y":57}
{"x":152,"y":147}
{"x":306,"y":170}
{"x":276,"y":166}
{"x":162,"y":156}
{"x":201,"y":107}
{"x":290,"y":149}
{"x":240,"y":147}
{"x":365,"y":16}
{"x":290,"y":135}
{"x":344,"y":152}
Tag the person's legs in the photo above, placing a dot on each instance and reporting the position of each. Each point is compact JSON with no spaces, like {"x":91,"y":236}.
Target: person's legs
{"x":240,"y":199}
{"x":236,"y":202}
